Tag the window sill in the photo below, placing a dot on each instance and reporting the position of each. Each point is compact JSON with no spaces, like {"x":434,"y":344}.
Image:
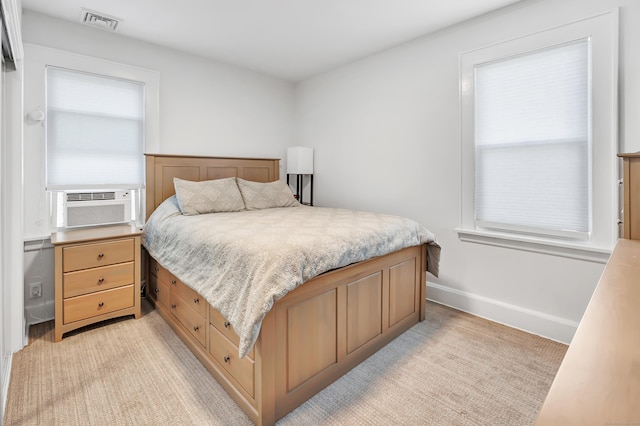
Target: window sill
{"x":571,"y":250}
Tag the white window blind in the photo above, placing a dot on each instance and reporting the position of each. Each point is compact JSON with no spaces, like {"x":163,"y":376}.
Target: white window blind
{"x":532,"y":142}
{"x":95,"y":131}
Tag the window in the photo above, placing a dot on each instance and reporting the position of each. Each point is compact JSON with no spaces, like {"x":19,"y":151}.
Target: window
{"x":539,"y":140}
{"x":532,"y":143}
{"x":94,"y":142}
{"x":95,"y":131}
{"x":42,"y":206}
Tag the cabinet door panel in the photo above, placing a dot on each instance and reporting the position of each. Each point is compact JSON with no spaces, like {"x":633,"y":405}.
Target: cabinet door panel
{"x":402,"y":291}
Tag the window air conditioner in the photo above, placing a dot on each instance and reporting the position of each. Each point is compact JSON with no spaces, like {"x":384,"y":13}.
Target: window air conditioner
{"x":96,"y":208}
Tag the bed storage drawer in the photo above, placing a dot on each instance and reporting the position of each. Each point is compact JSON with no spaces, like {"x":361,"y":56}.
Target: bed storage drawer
{"x":190,"y":297}
{"x":226,"y":353}
{"x":97,"y":279}
{"x":222,"y":325}
{"x":97,"y":254}
{"x":190,"y":319}
{"x":102,"y":302}
{"x":159,"y":271}
{"x":159,"y":291}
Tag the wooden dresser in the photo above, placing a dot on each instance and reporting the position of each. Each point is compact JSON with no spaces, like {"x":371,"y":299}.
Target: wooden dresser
{"x":631,"y":208}
{"x":598,"y":382}
{"x":97,"y":276}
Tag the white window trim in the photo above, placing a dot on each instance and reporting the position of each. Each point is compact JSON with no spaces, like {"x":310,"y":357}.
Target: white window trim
{"x":602,"y":30}
{"x":73,"y":61}
{"x":42,"y":56}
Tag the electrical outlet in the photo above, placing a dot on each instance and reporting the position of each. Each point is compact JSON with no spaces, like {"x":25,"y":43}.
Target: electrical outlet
{"x":35,"y":290}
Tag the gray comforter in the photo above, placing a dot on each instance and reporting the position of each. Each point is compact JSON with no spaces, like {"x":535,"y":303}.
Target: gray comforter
{"x":242,"y":262}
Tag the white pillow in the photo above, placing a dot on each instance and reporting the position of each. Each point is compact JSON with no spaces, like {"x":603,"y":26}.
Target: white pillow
{"x":260,"y":195}
{"x":208,"y":196}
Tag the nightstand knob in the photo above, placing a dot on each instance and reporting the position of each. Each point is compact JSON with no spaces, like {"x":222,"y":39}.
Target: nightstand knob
{"x":196,"y":300}
{"x":100,"y":305}
{"x":173,"y":306}
{"x":100,"y":280}
{"x":100,"y":255}
{"x":226,"y":359}
{"x":196,"y":328}
{"x":227,"y":324}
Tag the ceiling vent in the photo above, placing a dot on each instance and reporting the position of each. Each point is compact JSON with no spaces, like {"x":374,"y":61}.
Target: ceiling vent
{"x":99,"y":20}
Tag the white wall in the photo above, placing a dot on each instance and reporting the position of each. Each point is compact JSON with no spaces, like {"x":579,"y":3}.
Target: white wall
{"x":206,"y":108}
{"x":11,"y":302}
{"x":386,"y":131}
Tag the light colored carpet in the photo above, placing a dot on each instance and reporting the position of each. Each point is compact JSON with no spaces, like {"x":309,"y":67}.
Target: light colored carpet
{"x":452,"y":369}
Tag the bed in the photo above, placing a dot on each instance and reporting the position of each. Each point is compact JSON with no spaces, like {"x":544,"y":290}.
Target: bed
{"x":311,"y":333}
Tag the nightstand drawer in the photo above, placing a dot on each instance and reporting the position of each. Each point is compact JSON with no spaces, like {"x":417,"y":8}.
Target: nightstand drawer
{"x":226,"y":353}
{"x":218,"y":321}
{"x":193,"y":322}
{"x":94,"y":304}
{"x":97,"y":279}
{"x":98,"y":254}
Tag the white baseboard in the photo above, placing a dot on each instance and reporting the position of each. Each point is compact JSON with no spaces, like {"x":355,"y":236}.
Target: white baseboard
{"x":540,"y":323}
{"x":39,"y":313}
{"x":5,"y":385}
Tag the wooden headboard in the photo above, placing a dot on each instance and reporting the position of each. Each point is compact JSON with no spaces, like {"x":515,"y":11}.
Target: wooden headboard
{"x":161,"y":169}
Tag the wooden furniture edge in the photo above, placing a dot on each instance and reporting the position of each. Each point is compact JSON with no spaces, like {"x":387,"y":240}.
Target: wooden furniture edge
{"x":209,"y":157}
{"x":598,"y":381}
{"x":631,"y":195}
{"x":94,"y":234}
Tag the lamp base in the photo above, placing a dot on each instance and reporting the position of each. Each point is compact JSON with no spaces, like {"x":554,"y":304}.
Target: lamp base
{"x":300,"y":186}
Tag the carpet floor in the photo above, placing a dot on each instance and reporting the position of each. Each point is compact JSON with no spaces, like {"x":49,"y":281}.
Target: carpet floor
{"x":452,"y":369}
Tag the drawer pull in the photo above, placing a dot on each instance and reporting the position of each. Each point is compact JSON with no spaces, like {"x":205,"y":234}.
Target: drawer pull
{"x":100,"y":280}
{"x":157,"y":290}
{"x":227,"y":324}
{"x":226,"y":359}
{"x":196,"y":328}
{"x":196,"y":300}
{"x":100,"y":255}
{"x":156,"y":269}
{"x":173,"y":282}
{"x":173,"y":306}
{"x":100,"y":305}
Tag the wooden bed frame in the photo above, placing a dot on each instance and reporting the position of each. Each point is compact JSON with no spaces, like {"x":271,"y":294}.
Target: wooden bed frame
{"x":313,"y":335}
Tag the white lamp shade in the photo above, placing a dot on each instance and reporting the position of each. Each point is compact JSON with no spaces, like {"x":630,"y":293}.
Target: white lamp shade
{"x":300,"y":160}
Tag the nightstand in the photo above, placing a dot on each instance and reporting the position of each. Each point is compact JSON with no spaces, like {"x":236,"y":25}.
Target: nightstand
{"x":97,"y":276}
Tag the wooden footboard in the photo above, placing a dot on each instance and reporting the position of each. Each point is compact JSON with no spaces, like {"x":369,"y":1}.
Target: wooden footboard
{"x":310,"y":338}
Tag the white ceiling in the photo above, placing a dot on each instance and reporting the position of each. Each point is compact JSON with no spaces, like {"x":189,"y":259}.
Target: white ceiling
{"x":291,"y":39}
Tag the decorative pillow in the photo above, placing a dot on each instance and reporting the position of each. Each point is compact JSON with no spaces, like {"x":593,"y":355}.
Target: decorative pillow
{"x":208,"y":196}
{"x":259,"y":195}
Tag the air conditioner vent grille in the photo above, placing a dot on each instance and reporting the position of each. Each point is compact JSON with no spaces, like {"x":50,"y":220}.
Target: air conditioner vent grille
{"x":90,"y":196}
{"x":100,"y":20}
